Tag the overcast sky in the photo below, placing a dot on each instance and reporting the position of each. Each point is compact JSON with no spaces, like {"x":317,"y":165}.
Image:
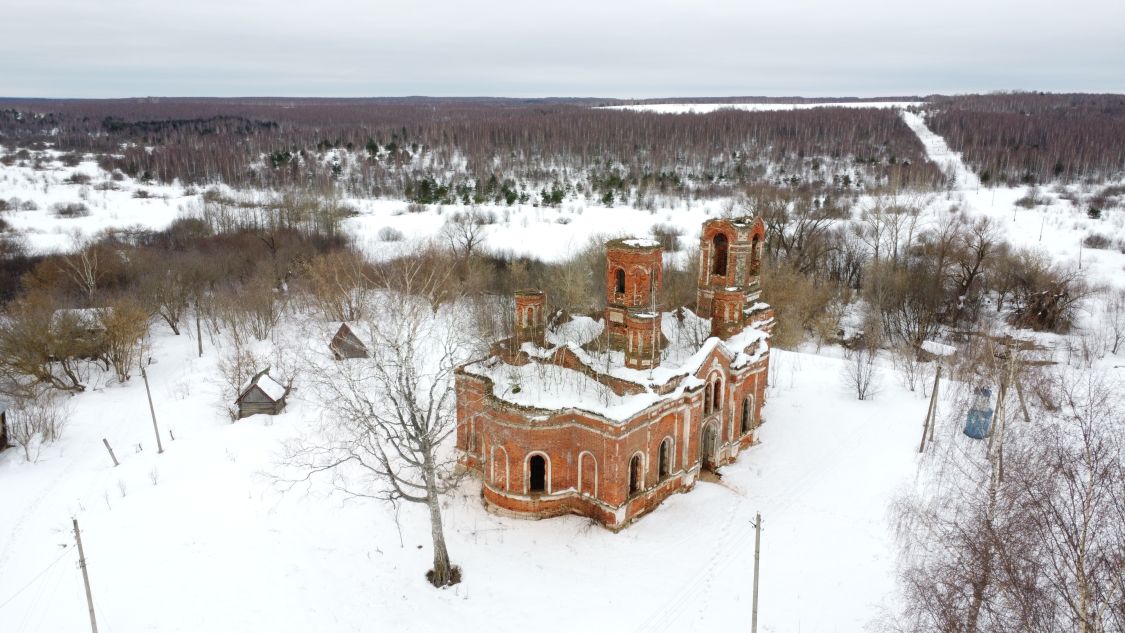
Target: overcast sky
{"x":610,"y":48}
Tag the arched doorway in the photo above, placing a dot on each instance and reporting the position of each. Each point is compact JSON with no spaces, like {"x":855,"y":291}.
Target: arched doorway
{"x":537,"y":474}
{"x":709,"y":448}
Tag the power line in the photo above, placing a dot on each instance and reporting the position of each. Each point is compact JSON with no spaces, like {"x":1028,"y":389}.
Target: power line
{"x":37,"y":577}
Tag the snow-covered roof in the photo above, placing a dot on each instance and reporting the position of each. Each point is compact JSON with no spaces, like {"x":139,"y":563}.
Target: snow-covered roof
{"x":274,"y":390}
{"x":545,"y":385}
{"x":640,"y":242}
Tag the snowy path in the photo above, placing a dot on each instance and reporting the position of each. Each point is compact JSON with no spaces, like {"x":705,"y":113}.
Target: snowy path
{"x":939,"y":152}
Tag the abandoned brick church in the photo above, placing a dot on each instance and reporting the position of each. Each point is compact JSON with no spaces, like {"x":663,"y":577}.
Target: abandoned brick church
{"x":606,"y":417}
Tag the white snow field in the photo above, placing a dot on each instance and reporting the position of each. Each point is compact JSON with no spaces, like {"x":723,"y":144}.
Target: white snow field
{"x":202,"y":539}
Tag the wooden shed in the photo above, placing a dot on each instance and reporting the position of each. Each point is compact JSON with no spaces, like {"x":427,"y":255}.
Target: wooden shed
{"x":3,"y":425}
{"x":345,"y":344}
{"x":262,"y":394}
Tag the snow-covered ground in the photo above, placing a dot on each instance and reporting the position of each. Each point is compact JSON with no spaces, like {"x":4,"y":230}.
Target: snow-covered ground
{"x":201,"y":538}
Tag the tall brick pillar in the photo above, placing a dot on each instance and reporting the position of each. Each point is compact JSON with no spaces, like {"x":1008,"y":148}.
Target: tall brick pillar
{"x":634,"y":278}
{"x":642,"y":339}
{"x":727,"y":305}
{"x":531,"y":317}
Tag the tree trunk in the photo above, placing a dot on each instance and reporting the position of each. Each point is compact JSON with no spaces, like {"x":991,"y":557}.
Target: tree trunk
{"x":442,"y":573}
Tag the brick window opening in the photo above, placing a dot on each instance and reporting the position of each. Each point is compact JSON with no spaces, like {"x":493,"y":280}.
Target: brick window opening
{"x":756,"y":256}
{"x":619,"y":285}
{"x":719,"y":255}
{"x":747,"y":411}
{"x":635,"y":475}
{"x":717,"y":396}
{"x":665,"y":457}
{"x":537,"y":468}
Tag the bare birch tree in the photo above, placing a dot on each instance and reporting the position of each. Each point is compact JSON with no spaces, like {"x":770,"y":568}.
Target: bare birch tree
{"x":390,"y":416}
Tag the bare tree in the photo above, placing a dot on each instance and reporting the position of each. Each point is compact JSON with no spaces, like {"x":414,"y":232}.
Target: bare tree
{"x":390,"y":414}
{"x":126,"y":324}
{"x":860,"y":370}
{"x":36,"y":418}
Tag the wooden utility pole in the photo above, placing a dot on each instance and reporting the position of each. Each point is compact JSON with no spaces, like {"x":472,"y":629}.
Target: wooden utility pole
{"x":757,"y":552}
{"x":928,"y":425}
{"x":152,"y":410}
{"x":85,"y":577}
{"x":198,"y":330}
{"x":111,"y":455}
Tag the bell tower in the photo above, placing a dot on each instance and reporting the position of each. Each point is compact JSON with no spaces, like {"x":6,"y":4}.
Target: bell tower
{"x":730,"y":263}
{"x":634,"y":279}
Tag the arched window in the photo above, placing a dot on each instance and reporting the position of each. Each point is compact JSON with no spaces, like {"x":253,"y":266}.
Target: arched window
{"x":717,"y":395}
{"x":537,"y":474}
{"x":756,"y":256}
{"x":719,"y":255}
{"x":665,"y":465}
{"x":747,"y":411}
{"x":636,"y":475}
{"x":619,"y":277}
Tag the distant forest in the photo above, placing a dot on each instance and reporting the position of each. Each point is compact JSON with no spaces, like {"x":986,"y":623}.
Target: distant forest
{"x":1029,"y":138}
{"x":542,"y":151}
{"x":476,"y":150}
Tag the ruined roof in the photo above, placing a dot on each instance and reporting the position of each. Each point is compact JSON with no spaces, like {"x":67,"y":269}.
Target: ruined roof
{"x":546,"y":386}
{"x":637,"y":243}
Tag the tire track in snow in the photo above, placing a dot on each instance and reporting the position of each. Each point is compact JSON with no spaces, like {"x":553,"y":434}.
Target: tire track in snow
{"x":938,"y":151}
{"x":662,"y":618}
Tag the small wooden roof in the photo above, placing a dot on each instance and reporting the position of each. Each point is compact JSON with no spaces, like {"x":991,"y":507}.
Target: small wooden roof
{"x":269,"y":387}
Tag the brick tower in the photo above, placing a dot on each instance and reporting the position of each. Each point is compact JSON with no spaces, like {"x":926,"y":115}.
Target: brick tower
{"x":730,"y":256}
{"x":531,"y":318}
{"x":634,"y":278}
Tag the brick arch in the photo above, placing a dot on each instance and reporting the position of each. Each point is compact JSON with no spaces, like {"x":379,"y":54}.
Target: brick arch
{"x":507,"y":472}
{"x":583,"y":471}
{"x":713,"y":454}
{"x":720,"y":253}
{"x":547,"y":488}
{"x":670,"y":466}
{"x":642,"y":471}
{"x":748,"y":415}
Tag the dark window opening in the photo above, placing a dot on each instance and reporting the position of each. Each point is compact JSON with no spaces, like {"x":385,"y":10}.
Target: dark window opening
{"x":719,"y":255}
{"x":538,"y":474}
{"x":717,"y":397}
{"x":756,"y":256}
{"x":635,"y":475}
{"x":665,"y":458}
{"x":620,"y":279}
{"x":746,"y":412}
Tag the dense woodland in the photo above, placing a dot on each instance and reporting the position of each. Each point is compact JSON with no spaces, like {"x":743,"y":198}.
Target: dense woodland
{"x":477,"y":150}
{"x":1034,"y":138}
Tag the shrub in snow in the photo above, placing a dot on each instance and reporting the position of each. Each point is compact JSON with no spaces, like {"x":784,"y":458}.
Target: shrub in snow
{"x":78,"y":178}
{"x":35,"y":420}
{"x":1097,"y":241}
{"x":70,"y":209}
{"x":390,"y":234}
